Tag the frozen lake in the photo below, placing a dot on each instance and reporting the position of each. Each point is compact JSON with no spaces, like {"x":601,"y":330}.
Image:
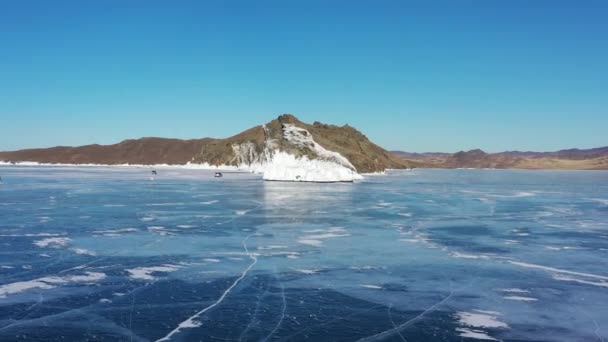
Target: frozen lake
{"x":106,"y":254}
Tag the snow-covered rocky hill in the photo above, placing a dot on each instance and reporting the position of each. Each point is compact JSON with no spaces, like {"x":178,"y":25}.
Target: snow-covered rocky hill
{"x":284,"y":149}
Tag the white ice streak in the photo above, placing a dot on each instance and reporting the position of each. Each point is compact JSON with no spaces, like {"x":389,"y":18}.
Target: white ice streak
{"x":514,"y":290}
{"x":468,"y":256}
{"x":559,"y":274}
{"x":520,"y":298}
{"x":192,"y":322}
{"x":580,"y":281}
{"x":272,"y":247}
{"x":214,"y":260}
{"x":475,"y":334}
{"x":557,"y":270}
{"x":30,"y":235}
{"x":118,"y":231}
{"x":397,"y":328}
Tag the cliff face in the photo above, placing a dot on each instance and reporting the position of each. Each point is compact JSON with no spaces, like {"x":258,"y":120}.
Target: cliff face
{"x":344,"y":146}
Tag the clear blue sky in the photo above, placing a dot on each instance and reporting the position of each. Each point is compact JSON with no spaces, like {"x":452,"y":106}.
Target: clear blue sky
{"x":412,"y":75}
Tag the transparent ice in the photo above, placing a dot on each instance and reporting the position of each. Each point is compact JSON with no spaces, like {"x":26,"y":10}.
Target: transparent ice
{"x":106,"y":254}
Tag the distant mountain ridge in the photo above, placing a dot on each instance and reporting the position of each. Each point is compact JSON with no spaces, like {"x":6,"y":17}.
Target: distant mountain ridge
{"x":341,"y":145}
{"x":573,"y":159}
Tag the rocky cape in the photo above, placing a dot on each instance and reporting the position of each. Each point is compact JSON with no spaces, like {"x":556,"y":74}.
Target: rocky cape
{"x":570,"y":159}
{"x":282,"y":149}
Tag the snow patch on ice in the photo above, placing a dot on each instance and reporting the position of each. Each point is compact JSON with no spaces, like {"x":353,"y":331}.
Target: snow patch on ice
{"x":49,"y":282}
{"x":146,"y":273}
{"x":316,"y":243}
{"x":88,"y":277}
{"x":52,"y":242}
{"x":480,"y":319}
{"x":83,"y":251}
{"x":317,"y":239}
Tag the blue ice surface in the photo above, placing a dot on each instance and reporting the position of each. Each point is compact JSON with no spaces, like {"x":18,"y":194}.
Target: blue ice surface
{"x":109,"y":254}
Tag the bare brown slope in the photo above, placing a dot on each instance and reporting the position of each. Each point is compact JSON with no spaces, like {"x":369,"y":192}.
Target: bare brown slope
{"x":139,"y":151}
{"x":352,"y":144}
{"x":572,"y":159}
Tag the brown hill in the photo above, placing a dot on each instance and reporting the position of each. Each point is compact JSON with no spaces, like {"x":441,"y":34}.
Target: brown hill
{"x":247,"y":147}
{"x":138,"y":151}
{"x":571,"y":159}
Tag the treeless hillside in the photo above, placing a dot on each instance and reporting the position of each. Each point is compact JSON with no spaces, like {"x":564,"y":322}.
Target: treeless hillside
{"x":244,"y":148}
{"x":349,"y":142}
{"x":139,"y":151}
{"x":571,"y":159}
